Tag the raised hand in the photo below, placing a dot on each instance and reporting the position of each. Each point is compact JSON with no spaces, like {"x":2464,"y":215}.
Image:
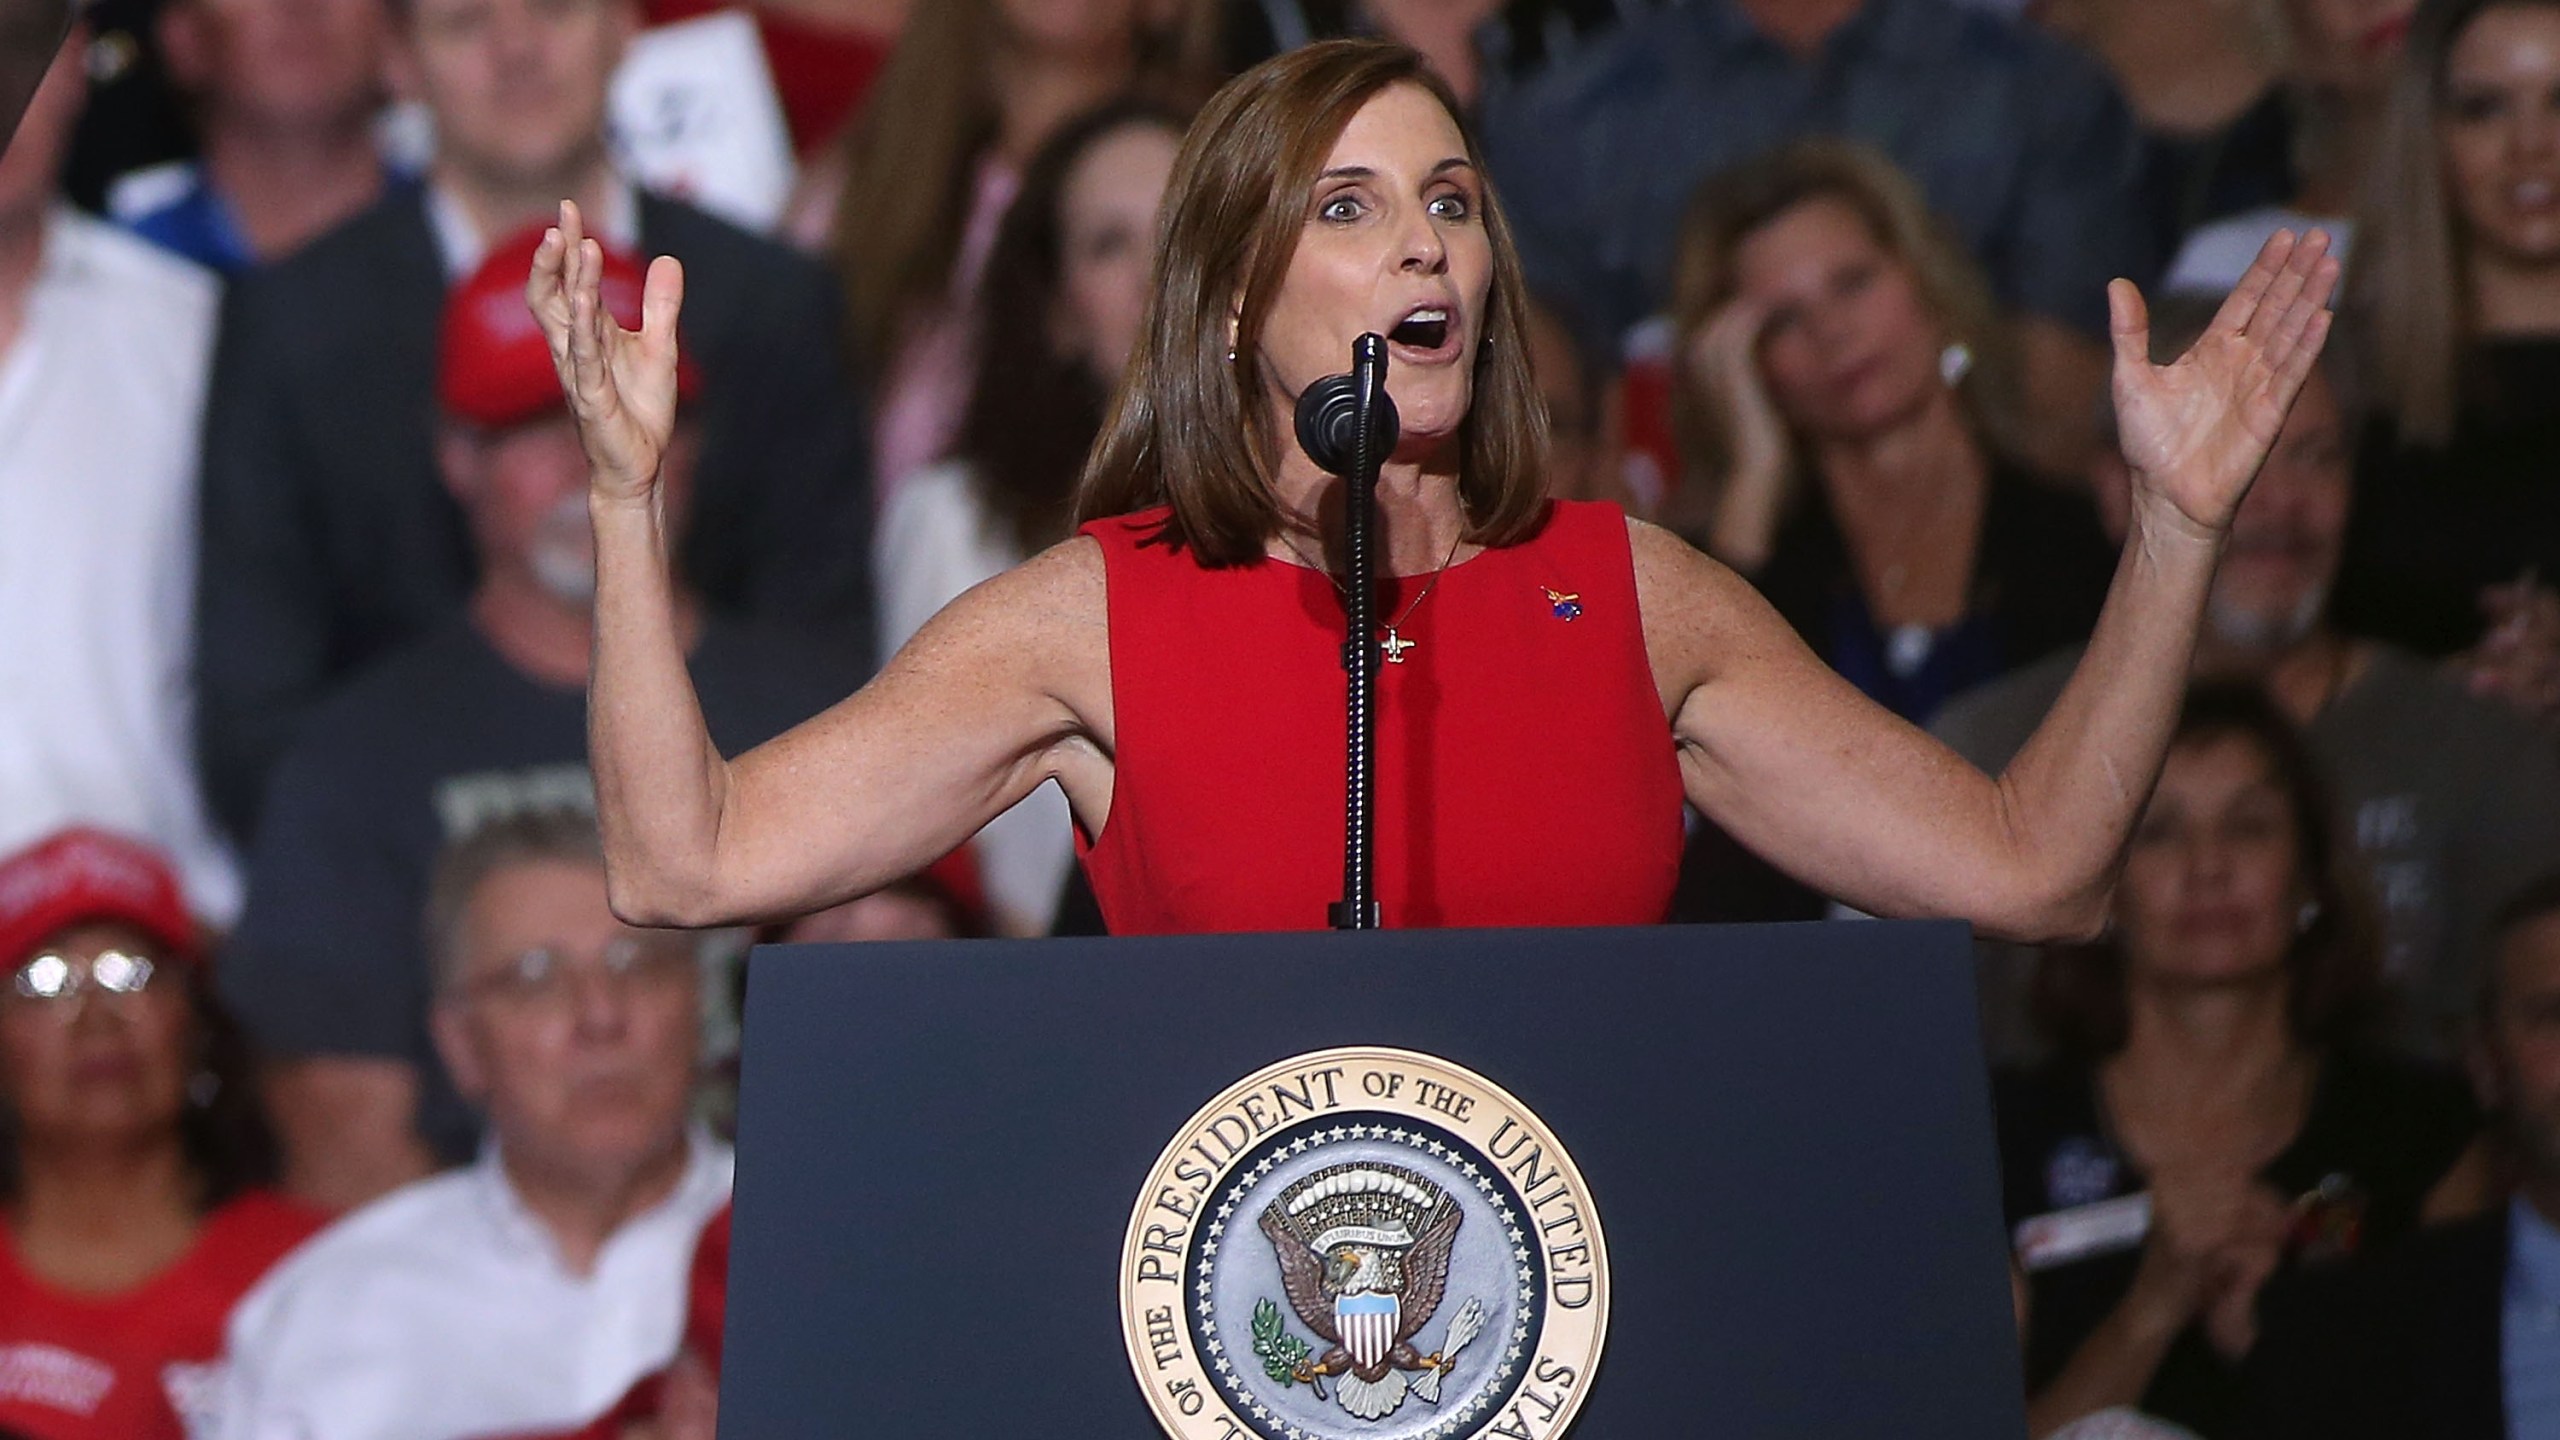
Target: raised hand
{"x":621,"y":383}
{"x":2195,"y":431}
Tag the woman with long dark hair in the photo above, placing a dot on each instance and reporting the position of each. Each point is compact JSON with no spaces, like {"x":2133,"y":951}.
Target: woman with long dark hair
{"x":1557,"y":679}
{"x":134,"y":1157}
{"x":1061,"y":300}
{"x":926,"y":172}
{"x":2218,"y":1109}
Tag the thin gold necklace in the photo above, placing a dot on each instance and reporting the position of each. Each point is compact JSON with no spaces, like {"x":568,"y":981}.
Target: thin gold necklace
{"x":1395,"y":644}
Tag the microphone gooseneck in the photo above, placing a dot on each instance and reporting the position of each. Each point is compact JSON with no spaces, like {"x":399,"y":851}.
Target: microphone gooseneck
{"x":1347,"y":425}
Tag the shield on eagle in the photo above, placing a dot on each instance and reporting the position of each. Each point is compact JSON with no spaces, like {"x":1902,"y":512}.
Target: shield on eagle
{"x":1367,"y":1325}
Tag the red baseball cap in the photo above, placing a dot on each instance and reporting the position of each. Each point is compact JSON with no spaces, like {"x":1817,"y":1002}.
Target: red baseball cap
{"x":79,"y":875}
{"x":493,"y":367}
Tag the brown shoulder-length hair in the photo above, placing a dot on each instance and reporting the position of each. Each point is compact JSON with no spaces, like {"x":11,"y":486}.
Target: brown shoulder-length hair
{"x":1730,"y":208}
{"x":1187,"y":428}
{"x":2335,"y":964}
{"x":2408,"y":288}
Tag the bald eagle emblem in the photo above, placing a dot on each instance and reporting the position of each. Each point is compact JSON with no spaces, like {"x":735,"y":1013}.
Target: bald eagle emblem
{"x":1364,"y":1258}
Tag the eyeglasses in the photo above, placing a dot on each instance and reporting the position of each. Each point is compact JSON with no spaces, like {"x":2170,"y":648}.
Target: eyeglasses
{"x":546,"y":974}
{"x":55,"y":976}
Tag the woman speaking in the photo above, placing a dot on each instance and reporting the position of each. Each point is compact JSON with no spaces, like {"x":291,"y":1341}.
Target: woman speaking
{"x":1559,"y":677}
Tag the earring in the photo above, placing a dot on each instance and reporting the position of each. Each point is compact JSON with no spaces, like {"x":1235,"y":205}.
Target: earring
{"x":1231,"y":354}
{"x":2306,"y":917}
{"x":1955,"y":362}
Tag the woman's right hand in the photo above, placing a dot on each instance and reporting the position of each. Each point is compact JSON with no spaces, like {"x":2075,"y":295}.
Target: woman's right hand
{"x":621,"y":384}
{"x":1725,"y":359}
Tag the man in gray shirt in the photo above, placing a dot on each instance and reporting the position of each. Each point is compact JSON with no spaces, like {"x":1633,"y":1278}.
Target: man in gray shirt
{"x":2453,"y":801}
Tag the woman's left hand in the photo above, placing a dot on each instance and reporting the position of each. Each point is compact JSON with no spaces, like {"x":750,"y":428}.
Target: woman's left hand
{"x":2195,"y":431}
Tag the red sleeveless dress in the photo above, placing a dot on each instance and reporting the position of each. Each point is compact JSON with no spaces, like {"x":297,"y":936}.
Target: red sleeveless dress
{"x":1525,"y":771}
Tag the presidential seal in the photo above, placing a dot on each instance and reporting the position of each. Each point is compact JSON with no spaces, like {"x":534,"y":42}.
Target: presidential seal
{"x":1364,"y":1244}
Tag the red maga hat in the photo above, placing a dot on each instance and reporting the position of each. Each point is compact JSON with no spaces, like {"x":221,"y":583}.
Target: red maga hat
{"x":493,"y":368}
{"x":84,"y":875}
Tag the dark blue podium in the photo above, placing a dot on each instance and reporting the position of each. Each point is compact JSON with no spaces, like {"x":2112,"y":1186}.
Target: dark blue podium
{"x":1785,"y":1129}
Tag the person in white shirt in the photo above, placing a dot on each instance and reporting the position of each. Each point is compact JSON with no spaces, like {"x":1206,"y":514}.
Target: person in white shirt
{"x":528,"y":1291}
{"x":104,"y":343}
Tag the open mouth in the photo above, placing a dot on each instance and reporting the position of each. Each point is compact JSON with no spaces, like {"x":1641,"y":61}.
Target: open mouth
{"x":1426,"y":329}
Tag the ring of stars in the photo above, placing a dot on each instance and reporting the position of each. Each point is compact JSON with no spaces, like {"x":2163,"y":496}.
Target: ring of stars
{"x":1234,"y":1381}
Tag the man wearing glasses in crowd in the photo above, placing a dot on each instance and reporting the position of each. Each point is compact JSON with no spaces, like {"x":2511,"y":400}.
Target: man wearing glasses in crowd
{"x":527,"y":1291}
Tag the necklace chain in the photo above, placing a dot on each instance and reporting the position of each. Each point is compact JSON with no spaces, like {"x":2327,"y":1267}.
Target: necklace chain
{"x":1395,"y":644}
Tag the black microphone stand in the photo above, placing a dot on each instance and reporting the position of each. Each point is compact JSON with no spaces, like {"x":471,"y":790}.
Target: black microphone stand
{"x":1347,"y":425}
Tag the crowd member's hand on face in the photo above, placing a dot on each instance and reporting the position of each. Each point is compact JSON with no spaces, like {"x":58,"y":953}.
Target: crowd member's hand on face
{"x":1725,"y":357}
{"x":2517,"y":661}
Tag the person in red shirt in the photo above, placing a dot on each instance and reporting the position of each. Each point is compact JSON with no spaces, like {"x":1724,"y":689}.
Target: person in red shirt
{"x":134,"y":1156}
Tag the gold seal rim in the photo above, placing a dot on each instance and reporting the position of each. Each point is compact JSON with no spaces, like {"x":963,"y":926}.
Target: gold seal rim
{"x":1202,"y":1425}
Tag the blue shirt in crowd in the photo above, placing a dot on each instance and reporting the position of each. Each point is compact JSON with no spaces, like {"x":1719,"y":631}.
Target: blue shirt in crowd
{"x":2530,"y":1337}
{"x":181,"y":212}
{"x":2018,"y":141}
{"x":198,"y":224}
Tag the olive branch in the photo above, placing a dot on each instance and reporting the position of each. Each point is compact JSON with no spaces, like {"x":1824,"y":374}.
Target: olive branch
{"x":1280,"y":1352}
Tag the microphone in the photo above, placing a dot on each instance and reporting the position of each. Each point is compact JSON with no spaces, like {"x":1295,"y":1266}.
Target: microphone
{"x":1328,"y":418}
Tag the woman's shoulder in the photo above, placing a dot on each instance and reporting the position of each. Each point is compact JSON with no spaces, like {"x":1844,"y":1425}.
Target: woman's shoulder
{"x":1064,"y":581}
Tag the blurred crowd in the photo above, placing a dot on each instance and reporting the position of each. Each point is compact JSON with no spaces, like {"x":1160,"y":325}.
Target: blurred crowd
{"x":334,"y":1100}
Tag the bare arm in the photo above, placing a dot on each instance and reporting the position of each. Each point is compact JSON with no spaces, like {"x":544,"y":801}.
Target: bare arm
{"x":1845,"y":796}
{"x":1005,"y":689}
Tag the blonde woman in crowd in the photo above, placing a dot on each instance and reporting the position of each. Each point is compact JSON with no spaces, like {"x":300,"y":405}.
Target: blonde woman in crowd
{"x":1847,"y":411}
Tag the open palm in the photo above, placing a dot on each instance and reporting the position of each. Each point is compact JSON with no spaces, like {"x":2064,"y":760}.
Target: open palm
{"x":2196,"y":430}
{"x":621,"y":383}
